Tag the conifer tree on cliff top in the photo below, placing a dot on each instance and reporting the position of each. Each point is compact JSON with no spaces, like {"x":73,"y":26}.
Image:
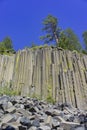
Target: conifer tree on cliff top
{"x":66,"y":39}
{"x":51,"y":29}
{"x":6,"y":45}
{"x":84,"y":35}
{"x":69,"y":40}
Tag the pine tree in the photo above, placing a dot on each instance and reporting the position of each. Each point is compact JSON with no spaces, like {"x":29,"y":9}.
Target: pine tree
{"x":51,"y":29}
{"x":69,"y":40}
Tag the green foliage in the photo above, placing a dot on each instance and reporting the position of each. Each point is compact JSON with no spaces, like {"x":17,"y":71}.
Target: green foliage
{"x":49,"y":91}
{"x":84,"y":35}
{"x":35,"y":96}
{"x":2,"y":49}
{"x":39,"y":47}
{"x":84,"y":52}
{"x":69,"y":40}
{"x":50,"y":27}
{"x":8,"y":91}
{"x":65,"y":39}
{"x":7,"y":43}
{"x":33,"y":45}
{"x":36,"y":47}
{"x":6,"y":46}
{"x":50,"y":99}
{"x":26,"y":47}
{"x":45,"y":45}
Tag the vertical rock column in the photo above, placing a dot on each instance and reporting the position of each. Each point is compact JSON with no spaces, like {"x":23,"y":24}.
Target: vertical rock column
{"x":16,"y":71}
{"x":43,"y":75}
{"x":6,"y":70}
{"x":37,"y":73}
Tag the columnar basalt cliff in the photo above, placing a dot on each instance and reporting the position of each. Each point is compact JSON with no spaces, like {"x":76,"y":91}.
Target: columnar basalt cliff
{"x":47,"y":73}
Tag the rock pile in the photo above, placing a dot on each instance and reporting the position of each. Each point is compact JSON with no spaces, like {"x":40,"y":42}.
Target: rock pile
{"x":24,"y":113}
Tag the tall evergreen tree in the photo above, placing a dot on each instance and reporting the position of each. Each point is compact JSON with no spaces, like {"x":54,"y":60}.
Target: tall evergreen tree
{"x":51,"y":29}
{"x":69,"y":40}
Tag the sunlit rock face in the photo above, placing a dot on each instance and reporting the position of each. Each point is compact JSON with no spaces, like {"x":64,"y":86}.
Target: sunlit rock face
{"x":48,"y":73}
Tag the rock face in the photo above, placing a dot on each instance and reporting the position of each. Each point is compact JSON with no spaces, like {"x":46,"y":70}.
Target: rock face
{"x":47,"y":73}
{"x":31,"y":114}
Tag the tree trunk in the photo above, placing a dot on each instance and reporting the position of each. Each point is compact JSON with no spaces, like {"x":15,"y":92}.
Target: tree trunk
{"x":56,"y":38}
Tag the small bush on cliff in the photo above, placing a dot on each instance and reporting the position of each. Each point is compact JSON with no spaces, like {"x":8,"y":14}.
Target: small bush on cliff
{"x":50,"y":99}
{"x":6,"y":46}
{"x":84,"y":52}
{"x":7,"y":91}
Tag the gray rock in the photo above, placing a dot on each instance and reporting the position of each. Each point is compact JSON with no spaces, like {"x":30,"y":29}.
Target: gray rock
{"x":32,"y":109}
{"x":31,"y":114}
{"x":36,"y":123}
{"x":11,"y":110}
{"x":48,"y":121}
{"x":26,"y":122}
{"x":81,"y":118}
{"x":10,"y":128}
{"x":44,"y":128}
{"x":22,"y":127}
{"x":4,"y":99}
{"x":55,"y":124}
{"x":8,"y":118}
{"x":69,"y":117}
{"x":33,"y":128}
{"x":69,"y":125}
{"x":79,"y":128}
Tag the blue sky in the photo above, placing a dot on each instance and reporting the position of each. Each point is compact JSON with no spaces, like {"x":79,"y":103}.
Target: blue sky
{"x":22,"y":19}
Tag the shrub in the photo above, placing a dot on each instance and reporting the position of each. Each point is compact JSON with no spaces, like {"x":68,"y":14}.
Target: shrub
{"x":7,"y":91}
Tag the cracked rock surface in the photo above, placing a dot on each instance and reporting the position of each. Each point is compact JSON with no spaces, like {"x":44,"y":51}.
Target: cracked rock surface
{"x":24,"y":113}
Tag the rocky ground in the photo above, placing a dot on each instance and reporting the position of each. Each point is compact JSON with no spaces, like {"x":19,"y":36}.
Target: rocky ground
{"x":24,"y":113}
